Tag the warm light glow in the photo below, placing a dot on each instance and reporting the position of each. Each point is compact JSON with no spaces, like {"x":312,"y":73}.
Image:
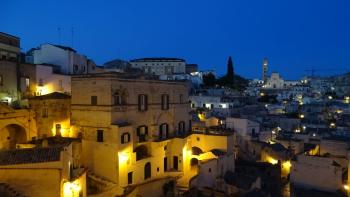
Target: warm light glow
{"x":332,"y":124}
{"x":42,"y":90}
{"x":71,"y":189}
{"x":123,"y":157}
{"x":297,"y":131}
{"x":201,"y":117}
{"x":330,"y":97}
{"x":302,"y":116}
{"x":346,"y":187}
{"x":262,"y":94}
{"x":301,"y":103}
{"x":286,"y":164}
{"x":339,"y":111}
{"x":272,"y":160}
{"x":65,"y":128}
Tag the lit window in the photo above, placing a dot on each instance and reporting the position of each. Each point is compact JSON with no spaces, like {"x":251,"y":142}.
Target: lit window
{"x":163,"y":131}
{"x":27,"y":82}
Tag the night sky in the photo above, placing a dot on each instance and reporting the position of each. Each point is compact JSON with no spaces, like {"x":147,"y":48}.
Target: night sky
{"x":294,"y":34}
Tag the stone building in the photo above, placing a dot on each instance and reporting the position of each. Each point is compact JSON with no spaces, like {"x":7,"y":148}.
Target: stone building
{"x":160,"y":66}
{"x":140,"y":129}
{"x":52,"y":115}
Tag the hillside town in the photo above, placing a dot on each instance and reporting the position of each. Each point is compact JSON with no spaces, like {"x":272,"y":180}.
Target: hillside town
{"x":161,"y":126}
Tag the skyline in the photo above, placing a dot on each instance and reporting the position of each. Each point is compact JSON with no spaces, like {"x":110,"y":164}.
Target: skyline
{"x":129,"y":30}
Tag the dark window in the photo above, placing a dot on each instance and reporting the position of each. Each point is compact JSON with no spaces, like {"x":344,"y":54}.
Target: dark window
{"x":165,"y":101}
{"x":99,"y":135}
{"x":118,"y":99}
{"x":181,"y":129}
{"x":142,"y":102}
{"x":163,"y":131}
{"x":190,"y":126}
{"x":3,"y":57}
{"x":76,"y":68}
{"x":176,"y":163}
{"x":209,"y":169}
{"x":1,"y":80}
{"x":93,"y":100}
{"x":125,"y":138}
{"x":130,"y":178}
{"x":165,"y":164}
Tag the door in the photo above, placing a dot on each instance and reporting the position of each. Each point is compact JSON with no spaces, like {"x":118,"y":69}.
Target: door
{"x":165,"y":164}
{"x":147,"y":171}
{"x":175,"y":163}
{"x":130,"y":178}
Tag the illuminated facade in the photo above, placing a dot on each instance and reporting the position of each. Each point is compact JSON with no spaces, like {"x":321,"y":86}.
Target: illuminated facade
{"x":139,"y":128}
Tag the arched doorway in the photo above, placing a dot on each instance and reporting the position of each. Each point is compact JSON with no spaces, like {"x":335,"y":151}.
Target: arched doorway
{"x":11,"y":135}
{"x":147,"y":171}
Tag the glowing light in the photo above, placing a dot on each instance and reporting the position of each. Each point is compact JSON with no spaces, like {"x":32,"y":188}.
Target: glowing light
{"x":42,"y":90}
{"x":201,"y":116}
{"x":339,"y":111}
{"x":302,"y":116}
{"x":272,"y":160}
{"x":314,"y":135}
{"x":286,"y":164}
{"x":304,"y":127}
{"x":332,"y":124}
{"x":330,"y":97}
{"x":123,"y":157}
{"x":273,"y":132}
{"x":297,"y":130}
{"x":301,"y":103}
{"x":262,"y":94}
{"x":71,"y":189}
{"x":346,"y":187}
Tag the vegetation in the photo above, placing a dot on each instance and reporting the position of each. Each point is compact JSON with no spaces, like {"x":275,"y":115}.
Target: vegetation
{"x":230,"y":80}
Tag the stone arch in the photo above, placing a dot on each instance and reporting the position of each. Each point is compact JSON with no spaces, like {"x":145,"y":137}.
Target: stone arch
{"x":194,"y":162}
{"x":12,"y":134}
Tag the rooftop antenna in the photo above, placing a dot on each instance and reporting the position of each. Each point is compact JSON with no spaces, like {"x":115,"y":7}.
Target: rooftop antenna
{"x":72,"y":31}
{"x":59,"y":35}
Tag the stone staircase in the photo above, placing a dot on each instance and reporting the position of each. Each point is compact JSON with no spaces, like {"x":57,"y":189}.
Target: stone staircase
{"x":99,"y":182}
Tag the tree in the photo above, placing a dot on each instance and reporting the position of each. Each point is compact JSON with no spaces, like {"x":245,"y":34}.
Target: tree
{"x":209,"y":80}
{"x":230,"y":72}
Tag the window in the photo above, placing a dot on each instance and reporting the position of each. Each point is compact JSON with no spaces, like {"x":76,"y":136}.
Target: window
{"x":142,"y":102}
{"x":142,"y":132}
{"x":27,"y":82}
{"x":163,"y":131}
{"x":76,"y":68}
{"x":181,"y":98}
{"x":119,"y":99}
{"x":1,"y":80}
{"x":130,"y":178}
{"x":181,"y":129}
{"x":99,"y":135}
{"x":165,"y":101}
{"x":125,"y":138}
{"x":93,"y":100}
{"x":60,"y":84}
{"x":45,"y":112}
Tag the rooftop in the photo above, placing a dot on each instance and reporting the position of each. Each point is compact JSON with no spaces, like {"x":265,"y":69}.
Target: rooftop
{"x":158,"y":59}
{"x":30,"y":155}
{"x":54,"y":95}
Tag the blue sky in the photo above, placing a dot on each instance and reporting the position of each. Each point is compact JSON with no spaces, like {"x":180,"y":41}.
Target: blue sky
{"x":294,"y":34}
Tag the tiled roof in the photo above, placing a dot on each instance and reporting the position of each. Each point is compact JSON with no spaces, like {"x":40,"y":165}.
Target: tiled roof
{"x":32,"y":155}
